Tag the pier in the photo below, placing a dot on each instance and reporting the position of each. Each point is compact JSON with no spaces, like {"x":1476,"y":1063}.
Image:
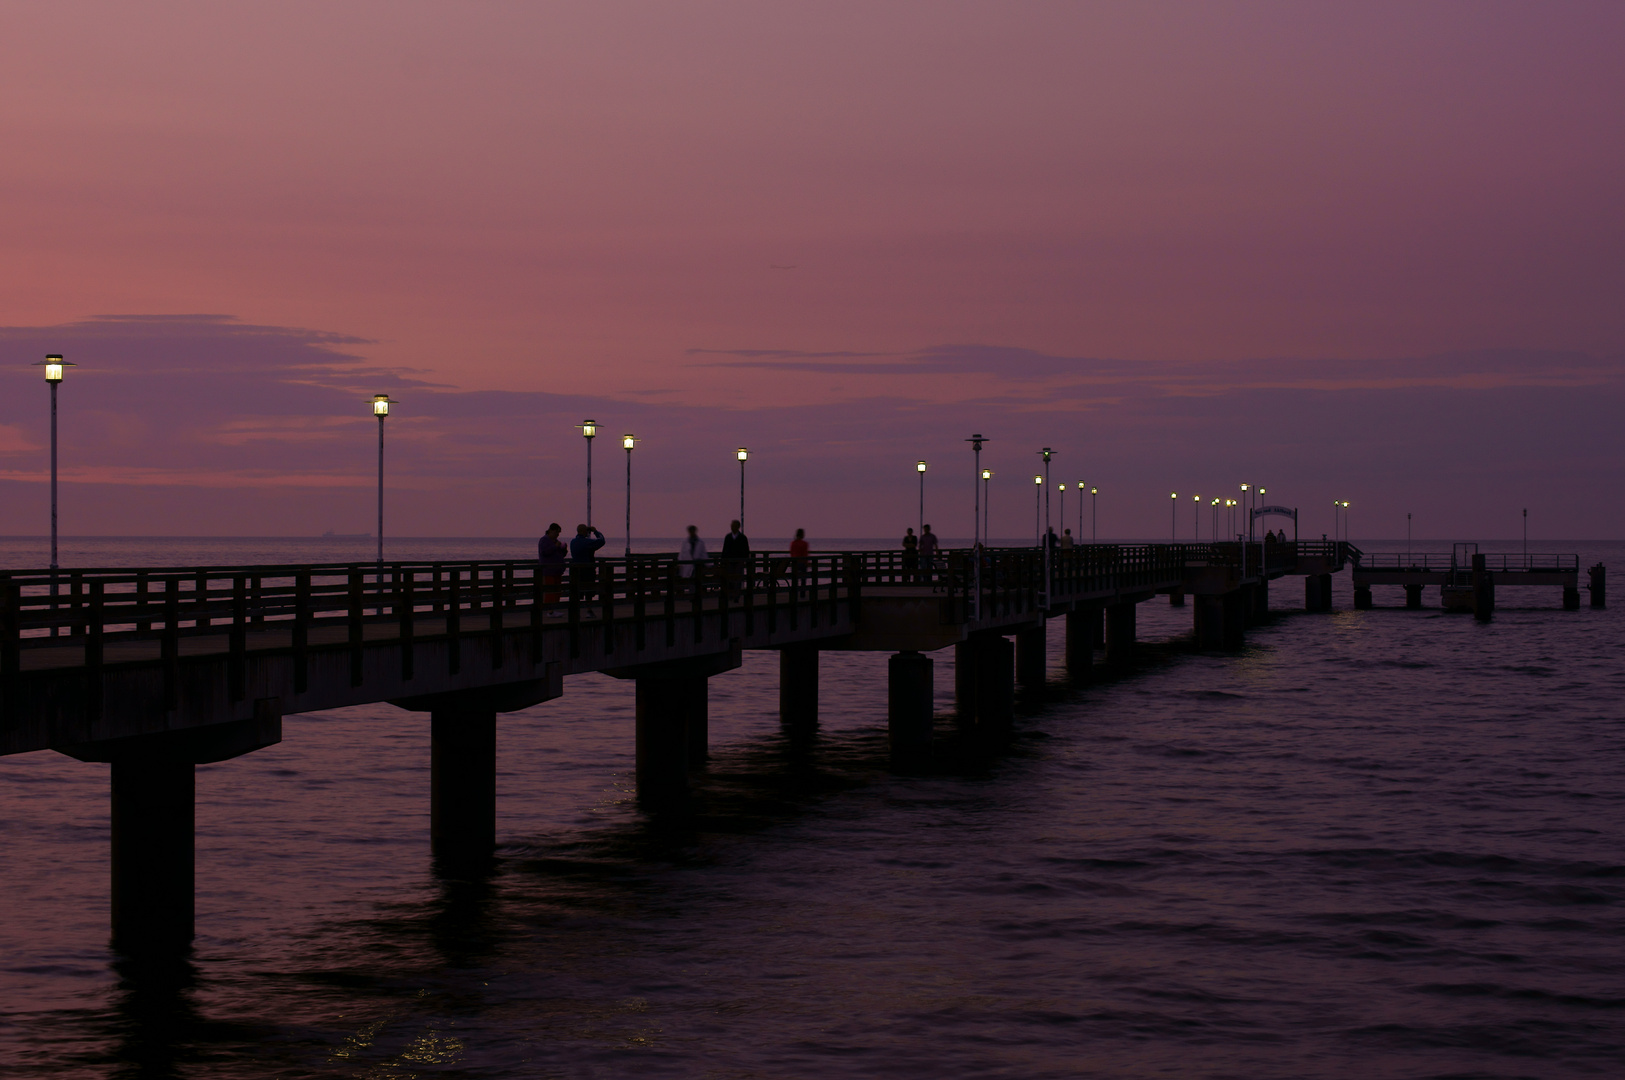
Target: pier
{"x":157,"y":670}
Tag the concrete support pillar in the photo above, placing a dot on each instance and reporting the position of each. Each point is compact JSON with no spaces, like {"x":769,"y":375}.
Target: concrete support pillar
{"x":1261,"y":600}
{"x":995,"y":686}
{"x":1362,"y":598}
{"x":1081,"y":626}
{"x":798,"y":686}
{"x":1317,"y":592}
{"x":1176,"y":598}
{"x":1120,"y":633}
{"x":1209,"y":622}
{"x":1234,"y":620}
{"x":966,"y":662}
{"x":1413,"y":597}
{"x":663,"y":748}
{"x":462,"y":782}
{"x":909,"y":708}
{"x":697,"y":719}
{"x":1571,"y":599}
{"x":1032,"y":659}
{"x":1598,"y":584}
{"x":153,"y":867}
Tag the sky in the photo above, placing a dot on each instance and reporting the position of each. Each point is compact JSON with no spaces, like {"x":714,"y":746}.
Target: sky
{"x":1360,"y":251}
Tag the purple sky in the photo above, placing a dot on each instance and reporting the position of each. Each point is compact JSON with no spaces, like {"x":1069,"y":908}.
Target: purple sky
{"x":1372,"y":251}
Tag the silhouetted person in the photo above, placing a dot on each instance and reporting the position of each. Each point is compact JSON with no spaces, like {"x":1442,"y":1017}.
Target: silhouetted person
{"x":551,"y":553}
{"x":799,"y":549}
{"x":928,"y":547}
{"x":736,"y":553}
{"x":586,"y":542}
{"x":911,"y":552}
{"x":1066,"y":540}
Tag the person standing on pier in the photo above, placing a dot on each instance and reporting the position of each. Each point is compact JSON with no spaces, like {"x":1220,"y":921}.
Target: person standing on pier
{"x":1066,"y":540}
{"x":799,"y":549}
{"x":691,"y":557}
{"x":911,"y":553}
{"x":928,"y":547}
{"x":587,"y":541}
{"x":551,"y":554}
{"x":736,"y":554}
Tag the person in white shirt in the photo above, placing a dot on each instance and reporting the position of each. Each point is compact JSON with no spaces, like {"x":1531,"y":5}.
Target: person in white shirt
{"x":691,"y":555}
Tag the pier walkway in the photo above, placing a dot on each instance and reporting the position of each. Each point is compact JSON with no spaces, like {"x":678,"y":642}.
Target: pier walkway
{"x":156,"y":670}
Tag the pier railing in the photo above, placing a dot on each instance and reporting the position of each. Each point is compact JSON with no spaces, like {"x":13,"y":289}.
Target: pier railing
{"x":96,"y":608}
{"x":1440,"y":561}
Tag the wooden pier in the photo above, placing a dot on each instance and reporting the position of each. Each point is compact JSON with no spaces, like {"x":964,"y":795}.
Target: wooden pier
{"x":156,"y":670}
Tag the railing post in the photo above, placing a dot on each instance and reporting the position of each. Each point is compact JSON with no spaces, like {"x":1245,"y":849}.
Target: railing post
{"x":357,"y":598}
{"x":699,"y":598}
{"x":672,"y":580}
{"x":537,"y":612}
{"x":170,"y":648}
{"x":200,"y":596}
{"x":496,"y":617}
{"x":575,"y":612}
{"x":301,"y":632}
{"x":636,"y":581}
{"x":142,"y":625}
{"x":854,"y":588}
{"x":606,"y":604}
{"x":750,"y":595}
{"x":454,"y":621}
{"x":93,"y":649}
{"x":256,"y":600}
{"x":76,"y":595}
{"x":11,"y":634}
{"x":237,"y":664}
{"x":406,"y":615}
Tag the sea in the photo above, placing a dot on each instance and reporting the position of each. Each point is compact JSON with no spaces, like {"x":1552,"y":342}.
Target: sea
{"x":1381,"y":843}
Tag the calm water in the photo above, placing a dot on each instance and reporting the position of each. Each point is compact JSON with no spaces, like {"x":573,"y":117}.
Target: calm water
{"x":1376,"y":844}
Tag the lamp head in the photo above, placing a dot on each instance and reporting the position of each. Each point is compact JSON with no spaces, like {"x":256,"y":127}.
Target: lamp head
{"x":1061,"y":486}
{"x":743,"y":453}
{"x":919,"y":466}
{"x":589,"y":428}
{"x":381,"y":404}
{"x":1046,"y":452}
{"x":1173,"y":494}
{"x":53,"y":365}
{"x":987,"y":474}
{"x":1244,"y":487}
{"x":1038,"y":479}
{"x":629,"y":441}
{"x":1094,"y":491}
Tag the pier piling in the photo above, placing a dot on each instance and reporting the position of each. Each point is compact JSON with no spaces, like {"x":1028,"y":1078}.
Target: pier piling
{"x":1120,"y":632}
{"x":462,"y":783}
{"x":1081,"y":627}
{"x":798,"y":686}
{"x":909,"y":708}
{"x":1032,"y":660}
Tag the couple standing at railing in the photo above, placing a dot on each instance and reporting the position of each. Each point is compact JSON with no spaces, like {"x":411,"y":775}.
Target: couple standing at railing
{"x":920,"y":551}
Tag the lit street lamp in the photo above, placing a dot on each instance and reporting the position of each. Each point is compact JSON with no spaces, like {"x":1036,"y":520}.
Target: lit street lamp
{"x":629,"y":441}
{"x":589,"y":428}
{"x":742,"y":454}
{"x":54,"y":366}
{"x":1038,"y":509}
{"x":1060,"y":511}
{"x":380,"y":409}
{"x":1093,"y":520}
{"x":1196,"y":517}
{"x":1173,"y":512}
{"x":976,"y":442}
{"x":920,"y":468}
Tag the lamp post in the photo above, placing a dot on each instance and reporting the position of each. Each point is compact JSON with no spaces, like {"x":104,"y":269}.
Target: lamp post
{"x":589,"y":428}
{"x":1408,"y":534}
{"x":1079,"y":486}
{"x":54,"y":366}
{"x":380,"y":409}
{"x":1173,"y":514}
{"x":1060,"y":511}
{"x":1196,"y":518}
{"x":987,"y":500}
{"x":1246,"y":509}
{"x":1525,"y":538}
{"x":1043,"y":538}
{"x":742,"y":454}
{"x":1213,"y":524}
{"x":629,"y":441}
{"x":919,"y":467}
{"x":976,"y":442}
{"x":1093,"y":520}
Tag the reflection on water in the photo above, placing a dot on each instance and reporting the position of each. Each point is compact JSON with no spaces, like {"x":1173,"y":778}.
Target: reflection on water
{"x":1375,"y":843}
